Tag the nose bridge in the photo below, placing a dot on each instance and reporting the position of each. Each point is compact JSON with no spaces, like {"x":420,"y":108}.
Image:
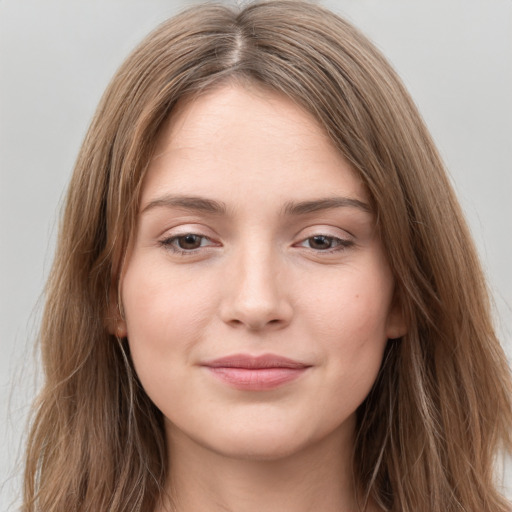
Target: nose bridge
{"x":256,"y":293}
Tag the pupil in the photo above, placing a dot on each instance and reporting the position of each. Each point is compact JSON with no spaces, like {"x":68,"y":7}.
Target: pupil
{"x":321,"y":242}
{"x":189,"y":242}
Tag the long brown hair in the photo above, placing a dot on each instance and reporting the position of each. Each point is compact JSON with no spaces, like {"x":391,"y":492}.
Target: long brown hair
{"x":429,"y":431}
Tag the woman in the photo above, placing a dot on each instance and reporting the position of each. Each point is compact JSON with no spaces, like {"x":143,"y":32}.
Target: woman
{"x":265,"y":296}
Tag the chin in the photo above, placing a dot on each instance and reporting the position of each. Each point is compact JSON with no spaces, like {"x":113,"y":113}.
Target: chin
{"x":257,"y":446}
{"x":258,"y":439}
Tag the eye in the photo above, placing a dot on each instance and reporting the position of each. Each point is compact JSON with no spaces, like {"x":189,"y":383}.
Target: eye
{"x":186,"y":243}
{"x":325,"y":243}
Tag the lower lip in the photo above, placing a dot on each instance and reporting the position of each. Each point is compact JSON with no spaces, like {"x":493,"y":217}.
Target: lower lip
{"x":256,"y":379}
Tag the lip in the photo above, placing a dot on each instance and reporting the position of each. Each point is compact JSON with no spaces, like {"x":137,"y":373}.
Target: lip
{"x":256,"y":373}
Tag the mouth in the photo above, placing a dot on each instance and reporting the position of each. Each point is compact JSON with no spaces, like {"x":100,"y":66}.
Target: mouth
{"x":256,"y":373}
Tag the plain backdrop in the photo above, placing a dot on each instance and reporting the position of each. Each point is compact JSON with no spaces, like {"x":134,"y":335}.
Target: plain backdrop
{"x":57,"y":56}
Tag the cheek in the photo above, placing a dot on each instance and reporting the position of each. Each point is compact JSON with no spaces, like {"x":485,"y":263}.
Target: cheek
{"x":349,"y":323}
{"x":352,"y":305}
{"x":165,"y":313}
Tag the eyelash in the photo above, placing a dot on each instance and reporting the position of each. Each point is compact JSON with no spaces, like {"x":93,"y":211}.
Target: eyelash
{"x":341,"y":243}
{"x":171,"y":244}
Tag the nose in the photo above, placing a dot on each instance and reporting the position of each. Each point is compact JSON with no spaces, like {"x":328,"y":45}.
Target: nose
{"x":256,"y":293}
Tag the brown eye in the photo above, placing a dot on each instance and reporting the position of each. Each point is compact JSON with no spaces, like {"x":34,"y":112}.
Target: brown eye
{"x":321,"y":242}
{"x":325,"y":243}
{"x":189,"y":242}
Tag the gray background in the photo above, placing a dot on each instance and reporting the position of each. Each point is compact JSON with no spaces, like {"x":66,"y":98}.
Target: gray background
{"x":56,"y":57}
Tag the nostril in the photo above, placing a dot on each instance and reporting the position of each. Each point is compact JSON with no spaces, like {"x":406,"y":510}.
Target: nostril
{"x":255,"y":314}
{"x":256,"y":325}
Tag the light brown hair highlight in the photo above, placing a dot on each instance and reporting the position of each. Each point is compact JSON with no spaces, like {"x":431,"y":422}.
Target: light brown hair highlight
{"x":429,"y":431}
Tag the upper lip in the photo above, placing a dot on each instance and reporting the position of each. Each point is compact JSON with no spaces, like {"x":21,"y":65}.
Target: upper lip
{"x":254,"y":362}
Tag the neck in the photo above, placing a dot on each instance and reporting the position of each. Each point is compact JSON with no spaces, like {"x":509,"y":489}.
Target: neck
{"x":318,"y":477}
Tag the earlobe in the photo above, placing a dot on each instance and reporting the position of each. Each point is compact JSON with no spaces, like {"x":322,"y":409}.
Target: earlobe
{"x":121,"y":331}
{"x":115,"y":323}
{"x":116,"y":326}
{"x":396,"y":330}
{"x":396,"y":326}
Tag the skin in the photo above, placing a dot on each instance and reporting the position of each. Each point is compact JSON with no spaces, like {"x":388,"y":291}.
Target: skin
{"x":254,"y":280}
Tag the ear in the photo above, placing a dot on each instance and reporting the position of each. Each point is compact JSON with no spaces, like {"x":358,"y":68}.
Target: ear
{"x":396,"y":325}
{"x":115,"y":322}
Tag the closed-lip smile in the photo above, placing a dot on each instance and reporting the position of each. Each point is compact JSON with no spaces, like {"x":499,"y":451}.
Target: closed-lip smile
{"x":256,"y":373}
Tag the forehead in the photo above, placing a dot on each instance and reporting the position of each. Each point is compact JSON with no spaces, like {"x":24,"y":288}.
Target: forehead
{"x":255,"y":108}
{"x":247,"y":139}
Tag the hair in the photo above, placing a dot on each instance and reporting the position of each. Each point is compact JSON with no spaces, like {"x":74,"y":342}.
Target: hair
{"x":440,"y":411}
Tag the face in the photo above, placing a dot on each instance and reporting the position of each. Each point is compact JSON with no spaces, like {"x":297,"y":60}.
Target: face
{"x":257,"y":297}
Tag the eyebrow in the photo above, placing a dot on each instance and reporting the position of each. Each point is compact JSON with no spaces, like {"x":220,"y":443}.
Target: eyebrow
{"x":200,"y":204}
{"x":291,"y":208}
{"x":305,"y":207}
